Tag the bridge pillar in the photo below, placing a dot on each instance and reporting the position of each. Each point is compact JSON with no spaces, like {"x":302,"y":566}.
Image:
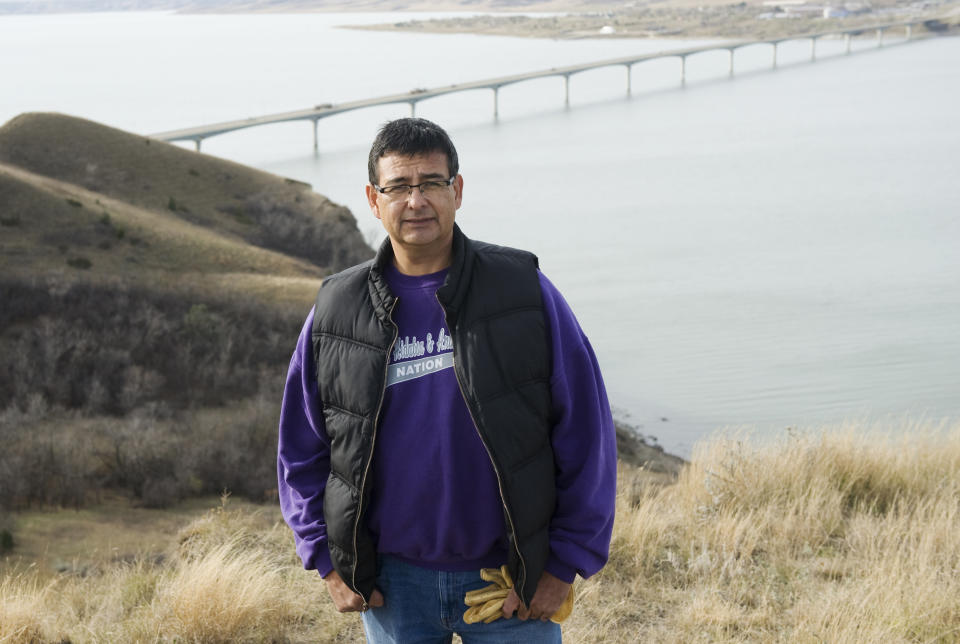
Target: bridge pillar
{"x":731,"y":60}
{"x":566,"y":90}
{"x":496,"y":103}
{"x":774,"y":55}
{"x":413,"y":109}
{"x":683,"y":71}
{"x":316,"y":145}
{"x":813,"y":49}
{"x":629,"y":88}
{"x":196,"y":143}
{"x":846,"y":42}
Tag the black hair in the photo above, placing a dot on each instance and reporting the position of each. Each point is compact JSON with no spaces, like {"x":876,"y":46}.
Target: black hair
{"x":408,"y":137}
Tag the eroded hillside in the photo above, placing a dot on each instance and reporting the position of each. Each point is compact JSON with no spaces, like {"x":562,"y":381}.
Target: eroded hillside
{"x":151,"y":298}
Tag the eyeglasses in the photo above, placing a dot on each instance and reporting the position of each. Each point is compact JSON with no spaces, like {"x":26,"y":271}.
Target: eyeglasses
{"x":402,"y":191}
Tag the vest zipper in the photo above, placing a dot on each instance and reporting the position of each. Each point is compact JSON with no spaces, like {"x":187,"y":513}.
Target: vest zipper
{"x":366,"y":469}
{"x":496,"y":471}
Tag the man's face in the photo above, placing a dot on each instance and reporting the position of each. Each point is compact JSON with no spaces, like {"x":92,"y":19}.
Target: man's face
{"x":416,"y":222}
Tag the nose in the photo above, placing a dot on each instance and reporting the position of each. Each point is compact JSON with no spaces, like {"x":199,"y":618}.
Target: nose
{"x":415,"y":198}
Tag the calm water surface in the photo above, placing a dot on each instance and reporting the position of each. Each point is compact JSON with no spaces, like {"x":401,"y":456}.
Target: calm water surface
{"x":774,"y":250}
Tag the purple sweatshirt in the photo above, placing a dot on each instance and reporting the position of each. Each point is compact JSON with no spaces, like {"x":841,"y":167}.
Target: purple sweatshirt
{"x":435,"y":500}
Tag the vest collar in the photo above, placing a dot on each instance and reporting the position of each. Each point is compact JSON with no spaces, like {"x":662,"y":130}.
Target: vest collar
{"x":450,"y":295}
{"x":380,"y":294}
{"x":454,"y":289}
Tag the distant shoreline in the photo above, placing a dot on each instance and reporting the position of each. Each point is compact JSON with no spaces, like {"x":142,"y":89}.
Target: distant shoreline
{"x":557,"y":19}
{"x":734,"y":21}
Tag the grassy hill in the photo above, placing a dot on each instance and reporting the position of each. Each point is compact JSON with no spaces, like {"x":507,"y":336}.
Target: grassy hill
{"x":74,"y":187}
{"x":56,"y":229}
{"x":148,"y":291}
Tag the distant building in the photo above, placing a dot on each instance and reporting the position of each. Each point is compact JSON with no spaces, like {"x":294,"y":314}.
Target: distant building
{"x":835,"y":12}
{"x":801,"y":8}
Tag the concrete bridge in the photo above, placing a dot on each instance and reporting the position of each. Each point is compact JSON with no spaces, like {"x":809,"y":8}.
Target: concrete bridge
{"x":198,"y":134}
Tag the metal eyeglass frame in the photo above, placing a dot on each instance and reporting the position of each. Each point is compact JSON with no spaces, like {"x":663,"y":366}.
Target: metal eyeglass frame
{"x":405,"y":190}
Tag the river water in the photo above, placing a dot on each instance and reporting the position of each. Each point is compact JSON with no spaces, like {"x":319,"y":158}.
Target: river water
{"x":777,"y":249}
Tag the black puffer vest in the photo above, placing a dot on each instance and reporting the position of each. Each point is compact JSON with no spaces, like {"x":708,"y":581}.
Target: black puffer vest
{"x":494,"y":311}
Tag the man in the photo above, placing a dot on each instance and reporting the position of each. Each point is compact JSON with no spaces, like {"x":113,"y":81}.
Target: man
{"x":443,"y":413}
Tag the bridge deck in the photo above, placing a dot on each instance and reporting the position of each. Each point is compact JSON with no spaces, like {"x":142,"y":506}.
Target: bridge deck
{"x":413,"y":97}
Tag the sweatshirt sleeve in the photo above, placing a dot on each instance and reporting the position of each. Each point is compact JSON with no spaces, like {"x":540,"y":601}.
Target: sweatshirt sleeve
{"x":584,"y":447}
{"x":303,"y":457}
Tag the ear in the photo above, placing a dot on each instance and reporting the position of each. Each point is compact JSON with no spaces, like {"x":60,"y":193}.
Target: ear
{"x":372,"y":195}
{"x":458,"y":190}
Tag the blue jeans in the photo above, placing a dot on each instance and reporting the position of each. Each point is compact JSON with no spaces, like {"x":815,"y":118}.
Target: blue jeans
{"x":426,"y":606}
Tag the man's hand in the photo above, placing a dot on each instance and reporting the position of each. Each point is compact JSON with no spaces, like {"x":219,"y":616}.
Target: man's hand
{"x":345,"y":599}
{"x":550,"y":594}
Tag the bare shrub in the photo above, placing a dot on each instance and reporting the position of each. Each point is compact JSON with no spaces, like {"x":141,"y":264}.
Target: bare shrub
{"x":329,"y":239}
{"x":109,"y":350}
{"x":6,"y":532}
{"x":156,"y":454}
{"x":104,"y":386}
{"x":232,"y":446}
{"x":47,"y":462}
{"x":145,"y":456}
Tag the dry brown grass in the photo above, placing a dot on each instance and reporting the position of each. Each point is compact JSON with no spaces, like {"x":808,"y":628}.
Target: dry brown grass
{"x":150,"y":246}
{"x":22,"y":606}
{"x":844,"y":536}
{"x":231,"y":576}
{"x":847,"y":535}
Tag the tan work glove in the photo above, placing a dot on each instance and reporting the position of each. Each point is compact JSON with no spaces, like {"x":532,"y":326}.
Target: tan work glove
{"x":486,"y":604}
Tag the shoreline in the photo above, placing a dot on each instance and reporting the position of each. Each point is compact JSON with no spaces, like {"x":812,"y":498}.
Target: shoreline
{"x":565,"y":20}
{"x":733,"y":21}
{"x":644,"y":453}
